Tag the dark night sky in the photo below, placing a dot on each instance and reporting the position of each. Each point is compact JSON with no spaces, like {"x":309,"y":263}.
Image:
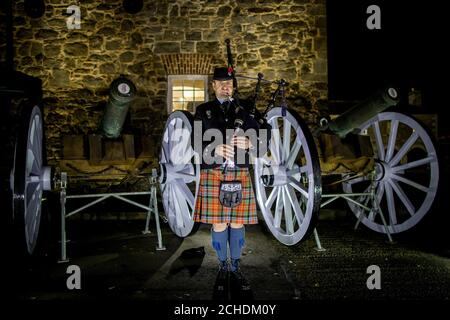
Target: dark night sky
{"x":408,"y":51}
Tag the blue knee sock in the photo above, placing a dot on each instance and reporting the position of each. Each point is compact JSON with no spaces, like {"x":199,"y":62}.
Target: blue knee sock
{"x":219,"y":243}
{"x":237,"y":241}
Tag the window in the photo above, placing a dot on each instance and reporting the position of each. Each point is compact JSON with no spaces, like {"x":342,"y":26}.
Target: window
{"x":186,"y":92}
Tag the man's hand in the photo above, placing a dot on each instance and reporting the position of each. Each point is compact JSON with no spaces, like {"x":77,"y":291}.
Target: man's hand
{"x":225,"y":150}
{"x":241,"y":142}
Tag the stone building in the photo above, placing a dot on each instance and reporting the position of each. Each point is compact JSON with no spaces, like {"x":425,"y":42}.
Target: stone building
{"x":281,"y":39}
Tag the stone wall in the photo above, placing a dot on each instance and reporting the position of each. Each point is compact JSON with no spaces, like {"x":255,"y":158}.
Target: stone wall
{"x":2,"y":35}
{"x":281,"y":39}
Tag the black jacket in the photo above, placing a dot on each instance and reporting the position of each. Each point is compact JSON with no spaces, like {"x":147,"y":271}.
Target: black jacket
{"x":213,"y":115}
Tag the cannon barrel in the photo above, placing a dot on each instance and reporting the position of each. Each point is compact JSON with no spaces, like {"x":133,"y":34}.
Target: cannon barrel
{"x":121,"y":92}
{"x":360,"y":113}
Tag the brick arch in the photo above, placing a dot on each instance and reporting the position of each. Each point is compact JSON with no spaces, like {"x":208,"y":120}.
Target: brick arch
{"x":194,"y":63}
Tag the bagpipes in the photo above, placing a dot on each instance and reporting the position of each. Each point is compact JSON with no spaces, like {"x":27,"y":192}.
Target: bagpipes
{"x":280,"y":91}
{"x":239,"y":109}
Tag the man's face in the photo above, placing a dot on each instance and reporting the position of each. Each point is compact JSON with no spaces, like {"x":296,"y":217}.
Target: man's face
{"x":223,"y":89}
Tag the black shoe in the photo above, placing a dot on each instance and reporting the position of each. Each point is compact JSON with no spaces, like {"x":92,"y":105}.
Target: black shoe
{"x":239,"y":285}
{"x":221,"y":284}
{"x":237,"y":278}
{"x":238,"y":281}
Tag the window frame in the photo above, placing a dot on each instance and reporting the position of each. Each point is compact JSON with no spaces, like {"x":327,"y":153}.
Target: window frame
{"x":194,"y":77}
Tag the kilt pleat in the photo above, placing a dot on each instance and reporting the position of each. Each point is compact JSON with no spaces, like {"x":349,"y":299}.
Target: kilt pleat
{"x":208,"y":208}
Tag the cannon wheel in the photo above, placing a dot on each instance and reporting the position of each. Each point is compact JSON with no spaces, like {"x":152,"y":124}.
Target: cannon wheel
{"x":29,"y":178}
{"x":405,"y":184}
{"x":180,"y":173}
{"x":290,"y":202}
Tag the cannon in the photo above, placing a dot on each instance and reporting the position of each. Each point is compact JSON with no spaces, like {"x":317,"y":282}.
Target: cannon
{"x":353,"y":118}
{"x":29,"y":177}
{"x":121,"y":93}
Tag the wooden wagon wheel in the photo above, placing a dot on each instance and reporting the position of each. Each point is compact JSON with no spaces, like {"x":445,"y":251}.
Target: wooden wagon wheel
{"x":180,"y":173}
{"x":288,"y":180}
{"x":29,"y":177}
{"x":405,"y":185}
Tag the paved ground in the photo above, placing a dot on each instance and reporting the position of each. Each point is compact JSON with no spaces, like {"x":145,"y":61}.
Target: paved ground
{"x":117,"y":261}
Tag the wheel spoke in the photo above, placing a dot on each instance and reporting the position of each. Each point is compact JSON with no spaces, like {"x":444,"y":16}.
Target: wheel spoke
{"x":37,"y":146}
{"x":178,"y":124}
{"x":411,"y":183}
{"x":185,"y":142}
{"x":169,"y":137}
{"x":188,"y":169}
{"x":178,"y":150}
{"x":293,"y":154}
{"x":31,"y":189}
{"x":32,"y":208}
{"x":186,"y":192}
{"x":275,"y":144}
{"x":31,"y":231}
{"x":392,"y":139}
{"x":165,"y":154}
{"x":31,"y":167}
{"x":268,"y":204}
{"x":163,"y":188}
{"x":390,"y":203}
{"x":295,"y":205}
{"x":401,"y":194}
{"x":404,"y":149}
{"x":32,"y":132}
{"x":168,"y":198}
{"x":299,"y":187}
{"x":186,"y":177}
{"x":37,"y":165}
{"x":185,"y":212}
{"x":173,"y":209}
{"x":297,"y":170}
{"x":286,"y":138}
{"x":379,"y":140}
{"x":287,"y":213}
{"x":356,"y":180}
{"x":278,"y":209}
{"x":414,"y":164}
{"x":178,"y":215}
{"x":378,"y":197}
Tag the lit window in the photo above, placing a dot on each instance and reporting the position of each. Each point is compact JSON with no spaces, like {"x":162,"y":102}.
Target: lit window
{"x":186,"y":92}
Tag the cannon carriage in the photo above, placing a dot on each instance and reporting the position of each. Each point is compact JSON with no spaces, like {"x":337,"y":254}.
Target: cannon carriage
{"x":368,"y":147}
{"x":388,"y":191}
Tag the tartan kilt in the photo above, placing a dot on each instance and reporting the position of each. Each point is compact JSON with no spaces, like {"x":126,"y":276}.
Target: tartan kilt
{"x":208,"y":208}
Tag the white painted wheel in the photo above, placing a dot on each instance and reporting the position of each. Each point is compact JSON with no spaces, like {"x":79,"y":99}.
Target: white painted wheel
{"x":180,"y":173}
{"x":407,"y":173}
{"x":29,"y":178}
{"x":287,"y":179}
